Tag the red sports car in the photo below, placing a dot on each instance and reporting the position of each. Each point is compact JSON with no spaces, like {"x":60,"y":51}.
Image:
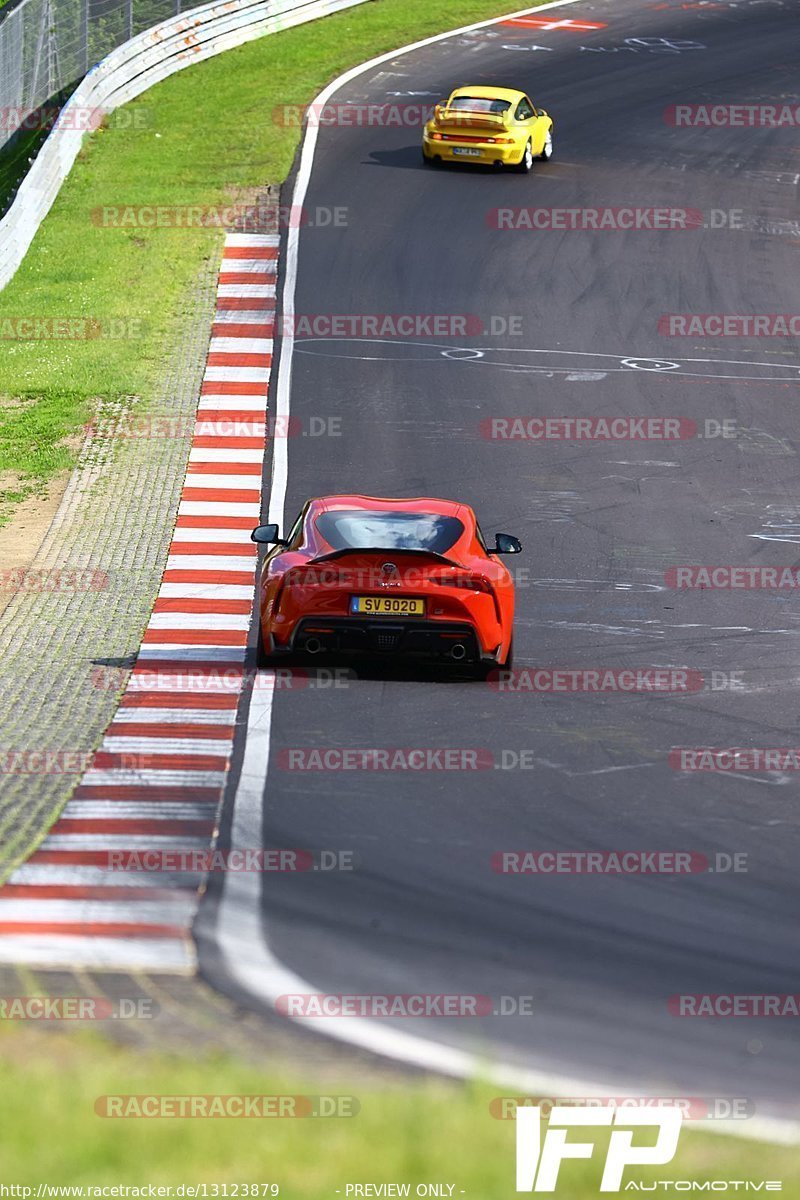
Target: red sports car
{"x":411,"y":579}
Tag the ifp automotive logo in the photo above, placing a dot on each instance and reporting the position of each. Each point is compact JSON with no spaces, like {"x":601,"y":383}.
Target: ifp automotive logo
{"x":539,"y":1161}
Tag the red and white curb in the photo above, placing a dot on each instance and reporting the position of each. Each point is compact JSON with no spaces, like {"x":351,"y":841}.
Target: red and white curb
{"x":156,"y":782}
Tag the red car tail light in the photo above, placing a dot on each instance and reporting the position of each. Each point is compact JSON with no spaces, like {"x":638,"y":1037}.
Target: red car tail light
{"x":470,"y":583}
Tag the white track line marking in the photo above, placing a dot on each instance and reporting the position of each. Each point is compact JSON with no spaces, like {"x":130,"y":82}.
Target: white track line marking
{"x":241,"y":345}
{"x":122,"y":841}
{"x":33,"y":874}
{"x":107,"y":953}
{"x":142,"y":810}
{"x":256,"y":239}
{"x":244,"y":291}
{"x":176,"y":620}
{"x":256,"y":404}
{"x":210,"y":534}
{"x":206,"y":455}
{"x":152,"y":777}
{"x":119,"y":744}
{"x":237,"y":374}
{"x":202,"y":479}
{"x":231,"y":560}
{"x":243,"y":316}
{"x":205,"y":591}
{"x":175,"y":716}
{"x":194,"y":655}
{"x":211,"y":509}
{"x":102,"y":912}
{"x":203,"y":685}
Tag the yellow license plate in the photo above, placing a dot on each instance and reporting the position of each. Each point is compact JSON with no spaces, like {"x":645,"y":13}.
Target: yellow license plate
{"x":387,"y":606}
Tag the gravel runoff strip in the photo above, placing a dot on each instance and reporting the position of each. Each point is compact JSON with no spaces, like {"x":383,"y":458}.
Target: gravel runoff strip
{"x":113,"y":530}
{"x":182,"y":1017}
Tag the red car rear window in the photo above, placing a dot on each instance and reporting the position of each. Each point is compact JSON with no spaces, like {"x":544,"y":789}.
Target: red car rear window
{"x":360,"y":530}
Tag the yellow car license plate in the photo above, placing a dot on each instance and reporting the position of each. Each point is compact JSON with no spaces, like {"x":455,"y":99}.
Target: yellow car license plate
{"x":387,"y":606}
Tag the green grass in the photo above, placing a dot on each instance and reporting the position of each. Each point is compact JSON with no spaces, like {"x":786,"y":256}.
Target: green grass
{"x":412,"y":1132}
{"x":35,"y":434}
{"x":205,"y":136}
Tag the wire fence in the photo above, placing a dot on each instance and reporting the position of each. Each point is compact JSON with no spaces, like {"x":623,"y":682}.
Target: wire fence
{"x":47,"y":46}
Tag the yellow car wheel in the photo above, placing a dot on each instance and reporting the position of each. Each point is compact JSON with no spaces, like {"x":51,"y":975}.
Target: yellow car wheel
{"x":547,"y":148}
{"x":525,"y":164}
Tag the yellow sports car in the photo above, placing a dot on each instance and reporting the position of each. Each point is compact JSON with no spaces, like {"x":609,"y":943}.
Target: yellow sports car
{"x":488,"y":125}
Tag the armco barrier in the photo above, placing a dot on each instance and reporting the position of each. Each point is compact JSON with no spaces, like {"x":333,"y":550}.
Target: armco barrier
{"x":127,"y":72}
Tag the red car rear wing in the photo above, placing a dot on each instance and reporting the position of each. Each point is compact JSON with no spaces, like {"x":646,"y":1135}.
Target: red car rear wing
{"x":386,"y":551}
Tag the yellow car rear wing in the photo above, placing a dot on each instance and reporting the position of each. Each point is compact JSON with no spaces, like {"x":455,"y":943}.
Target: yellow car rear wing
{"x":465,"y":116}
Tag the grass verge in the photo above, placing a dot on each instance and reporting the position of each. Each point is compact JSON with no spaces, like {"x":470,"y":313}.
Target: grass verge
{"x":417,"y":1132}
{"x":206,"y":136}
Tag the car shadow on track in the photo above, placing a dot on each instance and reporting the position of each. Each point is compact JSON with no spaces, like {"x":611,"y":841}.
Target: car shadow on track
{"x":335,"y":670}
{"x":410,"y":158}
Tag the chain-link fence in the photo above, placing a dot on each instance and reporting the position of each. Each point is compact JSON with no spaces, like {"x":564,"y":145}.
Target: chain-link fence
{"x":47,"y":46}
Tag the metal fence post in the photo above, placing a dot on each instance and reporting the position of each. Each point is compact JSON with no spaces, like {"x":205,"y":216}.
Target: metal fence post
{"x":85,"y":35}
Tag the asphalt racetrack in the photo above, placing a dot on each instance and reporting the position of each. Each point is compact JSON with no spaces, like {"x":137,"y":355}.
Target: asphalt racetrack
{"x":570,"y":323}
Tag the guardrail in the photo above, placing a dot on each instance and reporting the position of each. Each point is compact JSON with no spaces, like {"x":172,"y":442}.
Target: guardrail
{"x":127,"y":72}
